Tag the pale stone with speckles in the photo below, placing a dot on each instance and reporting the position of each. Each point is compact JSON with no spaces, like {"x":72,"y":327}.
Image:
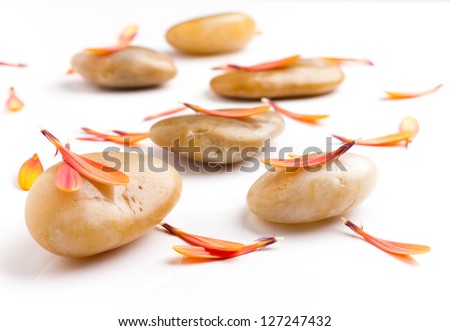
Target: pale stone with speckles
{"x":217,"y":140}
{"x":313,"y":194}
{"x":98,"y":217}
{"x":130,"y":68}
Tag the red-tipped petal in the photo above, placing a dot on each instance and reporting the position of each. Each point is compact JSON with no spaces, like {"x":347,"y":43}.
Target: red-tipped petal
{"x":16,"y":65}
{"x":386,"y":245}
{"x":308,"y":160}
{"x":311,"y":119}
{"x":205,"y":242}
{"x":120,"y":137}
{"x":130,"y":134}
{"x":408,"y":95}
{"x":30,"y":170}
{"x":123,"y":42}
{"x":88,"y":168}
{"x":231,"y":112}
{"x":107,"y":50}
{"x":164,"y":113}
{"x":203,"y":253}
{"x":67,"y":179}
{"x":395,"y":139}
{"x":278,"y":64}
{"x":14,"y":103}
{"x":344,"y":60}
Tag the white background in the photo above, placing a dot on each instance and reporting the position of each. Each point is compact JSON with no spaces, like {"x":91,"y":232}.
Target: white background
{"x":320,"y":268}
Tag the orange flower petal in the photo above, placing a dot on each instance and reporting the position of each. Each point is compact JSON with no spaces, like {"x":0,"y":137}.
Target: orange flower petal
{"x":129,"y":134}
{"x":14,"y":103}
{"x":71,"y":71}
{"x":164,"y":113}
{"x":120,"y":138}
{"x":195,"y":252}
{"x":408,"y":95}
{"x":308,"y":160}
{"x":211,"y":248}
{"x":231,"y":112}
{"x":88,"y":168}
{"x":394,"y":139}
{"x":29,"y":172}
{"x":67,"y":179}
{"x":107,"y":50}
{"x":278,"y":64}
{"x":409,"y":124}
{"x":125,"y":38}
{"x":343,"y":60}
{"x":386,"y":245}
{"x":203,"y":253}
{"x":310,"y":119}
{"x":128,"y":34}
{"x":205,"y":242}
{"x":17,"y":65}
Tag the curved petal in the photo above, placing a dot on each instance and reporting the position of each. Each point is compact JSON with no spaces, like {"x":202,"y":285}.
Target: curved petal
{"x":277,"y":64}
{"x":30,"y":170}
{"x":231,"y":112}
{"x":392,"y":247}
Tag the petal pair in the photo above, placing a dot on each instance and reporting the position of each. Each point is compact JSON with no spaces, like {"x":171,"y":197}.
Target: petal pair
{"x":14,"y":103}
{"x":387,"y":245}
{"x":125,"y":38}
{"x":278,"y":64}
{"x":88,"y":168}
{"x":408,"y":130}
{"x":310,"y":119}
{"x":308,"y":160}
{"x":211,"y":248}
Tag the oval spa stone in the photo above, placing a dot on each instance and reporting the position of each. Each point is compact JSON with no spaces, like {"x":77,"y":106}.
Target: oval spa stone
{"x":216,"y":139}
{"x":215,"y":34}
{"x":307,"y":77}
{"x":99,"y":217}
{"x":313,"y":194}
{"x":133,"y":67}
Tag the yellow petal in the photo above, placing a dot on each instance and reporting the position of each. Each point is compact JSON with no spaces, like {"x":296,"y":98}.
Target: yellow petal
{"x":29,"y":172}
{"x":14,"y":103}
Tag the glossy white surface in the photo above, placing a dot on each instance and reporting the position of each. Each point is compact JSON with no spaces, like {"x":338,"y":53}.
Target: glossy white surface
{"x":320,"y":268}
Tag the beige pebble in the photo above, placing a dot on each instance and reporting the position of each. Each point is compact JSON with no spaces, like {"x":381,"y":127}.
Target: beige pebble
{"x":217,"y":137}
{"x":305,"y":196}
{"x":307,"y":77}
{"x":133,"y":67}
{"x":98,"y":217}
{"x":215,"y":34}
